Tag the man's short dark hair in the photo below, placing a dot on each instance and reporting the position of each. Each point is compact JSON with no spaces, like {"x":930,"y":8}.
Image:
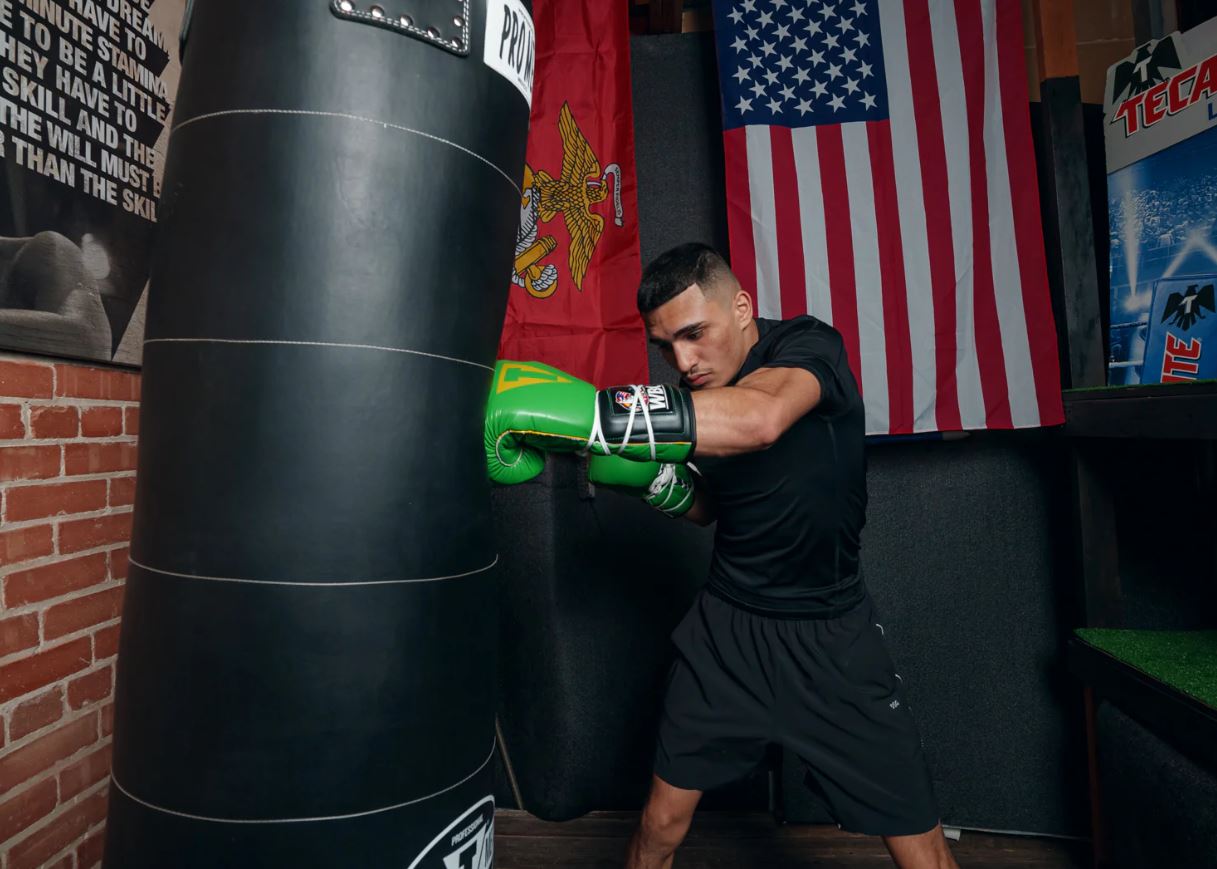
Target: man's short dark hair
{"x":674,"y":271}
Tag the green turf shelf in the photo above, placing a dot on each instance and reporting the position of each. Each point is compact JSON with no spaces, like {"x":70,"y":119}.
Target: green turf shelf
{"x":1185,"y":660}
{"x":1166,"y":679}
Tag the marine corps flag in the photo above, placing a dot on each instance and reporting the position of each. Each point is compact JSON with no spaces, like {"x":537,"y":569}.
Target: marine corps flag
{"x":577,"y":263}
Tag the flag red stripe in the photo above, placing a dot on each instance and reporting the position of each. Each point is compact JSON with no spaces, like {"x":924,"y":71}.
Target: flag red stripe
{"x":937,"y":203}
{"x":1025,"y":199}
{"x":739,"y":210}
{"x":899,"y":351}
{"x":838,"y":233}
{"x":990,"y":354}
{"x":792,"y":282}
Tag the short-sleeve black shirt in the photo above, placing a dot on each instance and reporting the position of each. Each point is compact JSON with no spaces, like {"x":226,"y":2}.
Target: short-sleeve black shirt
{"x":790,"y":517}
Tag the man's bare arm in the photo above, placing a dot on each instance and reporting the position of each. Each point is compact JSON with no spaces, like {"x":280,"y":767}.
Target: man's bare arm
{"x":753,"y":414}
{"x":704,"y":511}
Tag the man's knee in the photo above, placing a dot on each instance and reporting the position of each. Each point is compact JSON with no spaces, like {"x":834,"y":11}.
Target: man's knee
{"x":665,"y":828}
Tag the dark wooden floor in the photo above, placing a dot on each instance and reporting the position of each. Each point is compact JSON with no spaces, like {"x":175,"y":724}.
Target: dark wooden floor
{"x":722,"y":840}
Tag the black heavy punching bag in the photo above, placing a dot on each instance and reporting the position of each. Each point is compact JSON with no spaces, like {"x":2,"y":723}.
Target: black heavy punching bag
{"x":306,"y":671}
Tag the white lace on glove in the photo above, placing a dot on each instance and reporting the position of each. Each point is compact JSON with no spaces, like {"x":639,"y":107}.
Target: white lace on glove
{"x":597,"y":435}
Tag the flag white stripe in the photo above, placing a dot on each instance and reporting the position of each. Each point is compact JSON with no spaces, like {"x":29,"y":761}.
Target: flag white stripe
{"x":911,"y":205}
{"x":868,"y":277}
{"x":811,"y":219}
{"x":954,"y":111}
{"x":1007,"y":277}
{"x":764,"y":221}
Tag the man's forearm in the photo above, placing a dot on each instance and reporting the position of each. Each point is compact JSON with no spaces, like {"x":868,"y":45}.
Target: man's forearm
{"x":733,"y":420}
{"x":704,"y":511}
{"x":753,"y":414}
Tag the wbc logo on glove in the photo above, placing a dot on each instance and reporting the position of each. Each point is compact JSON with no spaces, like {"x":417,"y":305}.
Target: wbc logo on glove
{"x":654,"y":397}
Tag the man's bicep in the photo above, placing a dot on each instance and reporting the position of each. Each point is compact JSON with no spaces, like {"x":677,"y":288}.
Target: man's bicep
{"x":794,"y":391}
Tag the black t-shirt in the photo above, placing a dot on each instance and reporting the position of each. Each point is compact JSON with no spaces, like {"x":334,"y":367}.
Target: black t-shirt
{"x":790,"y":517}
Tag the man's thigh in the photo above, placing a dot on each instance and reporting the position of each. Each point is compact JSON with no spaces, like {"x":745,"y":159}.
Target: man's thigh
{"x":717,"y":717}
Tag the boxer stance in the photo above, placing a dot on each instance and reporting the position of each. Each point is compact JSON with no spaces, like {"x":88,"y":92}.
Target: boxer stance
{"x":764,"y":437}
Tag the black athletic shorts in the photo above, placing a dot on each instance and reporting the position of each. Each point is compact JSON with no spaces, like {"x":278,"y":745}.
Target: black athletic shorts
{"x":825,"y":689}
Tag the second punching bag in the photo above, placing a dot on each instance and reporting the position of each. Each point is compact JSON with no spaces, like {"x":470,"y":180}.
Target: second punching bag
{"x":306,"y":673}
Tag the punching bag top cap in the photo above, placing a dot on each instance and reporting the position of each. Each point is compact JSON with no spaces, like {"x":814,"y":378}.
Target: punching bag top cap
{"x":443,"y":23}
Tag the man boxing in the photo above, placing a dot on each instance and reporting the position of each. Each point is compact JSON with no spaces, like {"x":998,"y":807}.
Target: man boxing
{"x":783,"y":645}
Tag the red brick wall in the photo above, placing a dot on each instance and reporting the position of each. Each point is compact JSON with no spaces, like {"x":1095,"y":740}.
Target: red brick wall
{"x":67,"y":474}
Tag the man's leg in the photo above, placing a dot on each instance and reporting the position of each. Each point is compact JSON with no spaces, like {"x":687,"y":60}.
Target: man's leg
{"x":665,"y":821}
{"x":922,"y":851}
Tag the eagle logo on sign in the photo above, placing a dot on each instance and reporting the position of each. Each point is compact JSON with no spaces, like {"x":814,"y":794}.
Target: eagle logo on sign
{"x":1184,"y":309}
{"x":580,"y":185}
{"x":1148,"y":67}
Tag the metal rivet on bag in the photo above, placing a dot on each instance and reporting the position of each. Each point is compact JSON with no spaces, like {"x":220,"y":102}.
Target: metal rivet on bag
{"x":346,"y":6}
{"x":406,"y":21}
{"x":377,"y":12}
{"x":457,"y":44}
{"x":432,"y":32}
{"x":458,"y":21}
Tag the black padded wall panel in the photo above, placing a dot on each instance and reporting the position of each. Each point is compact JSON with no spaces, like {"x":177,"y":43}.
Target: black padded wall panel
{"x":1168,"y":575}
{"x":678,"y":142}
{"x":961,"y":553}
{"x":1159,"y":806}
{"x":585,"y":617}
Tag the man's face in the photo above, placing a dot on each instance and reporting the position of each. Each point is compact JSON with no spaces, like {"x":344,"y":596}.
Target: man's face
{"x":702,"y":336}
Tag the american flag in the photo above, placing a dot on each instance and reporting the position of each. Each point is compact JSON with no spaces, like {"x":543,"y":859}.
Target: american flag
{"x":880,"y":176}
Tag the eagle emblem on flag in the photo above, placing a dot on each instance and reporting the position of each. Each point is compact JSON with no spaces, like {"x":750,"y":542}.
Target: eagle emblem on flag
{"x":579,"y":185}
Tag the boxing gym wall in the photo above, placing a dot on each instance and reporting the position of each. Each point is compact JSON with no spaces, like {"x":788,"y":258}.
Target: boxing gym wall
{"x":960,"y":552}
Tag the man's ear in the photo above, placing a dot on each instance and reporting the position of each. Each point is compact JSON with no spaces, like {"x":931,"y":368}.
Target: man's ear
{"x":742,"y":309}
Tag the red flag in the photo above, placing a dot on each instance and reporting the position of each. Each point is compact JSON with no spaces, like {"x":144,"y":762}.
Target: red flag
{"x":577,"y":262}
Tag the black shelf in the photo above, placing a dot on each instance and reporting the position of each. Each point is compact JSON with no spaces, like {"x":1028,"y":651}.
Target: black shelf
{"x":1174,"y":410}
{"x":1178,"y":717}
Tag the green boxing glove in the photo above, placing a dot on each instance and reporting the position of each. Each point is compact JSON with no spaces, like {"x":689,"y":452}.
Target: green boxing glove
{"x":666,"y":487}
{"x":535,"y":408}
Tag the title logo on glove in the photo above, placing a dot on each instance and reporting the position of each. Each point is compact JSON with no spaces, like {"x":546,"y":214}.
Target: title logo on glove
{"x":515,"y":374}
